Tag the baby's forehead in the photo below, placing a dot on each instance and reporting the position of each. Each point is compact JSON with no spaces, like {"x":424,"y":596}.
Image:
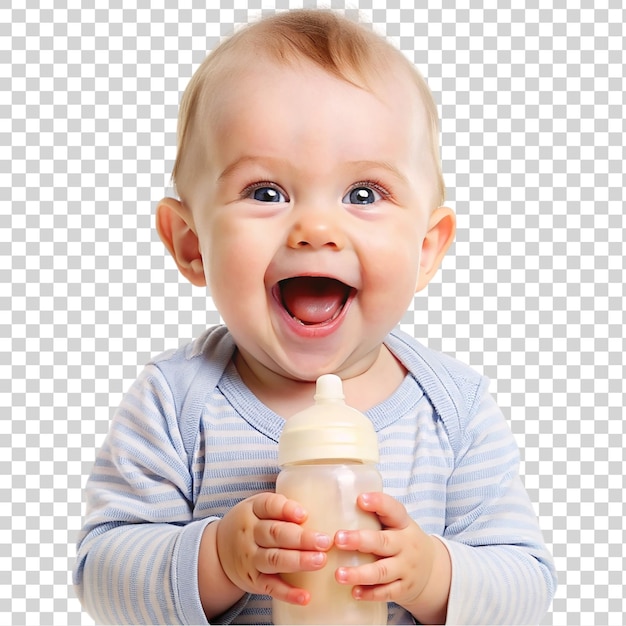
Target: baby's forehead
{"x":383,"y":76}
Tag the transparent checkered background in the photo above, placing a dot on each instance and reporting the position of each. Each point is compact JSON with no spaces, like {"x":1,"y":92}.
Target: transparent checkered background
{"x":532,"y":294}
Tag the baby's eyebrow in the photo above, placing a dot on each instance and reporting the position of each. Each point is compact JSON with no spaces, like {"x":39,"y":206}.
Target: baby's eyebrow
{"x":273,"y":163}
{"x":250,"y":160}
{"x":384,"y":165}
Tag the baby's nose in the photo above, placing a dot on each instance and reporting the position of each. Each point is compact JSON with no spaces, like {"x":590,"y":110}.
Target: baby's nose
{"x":316,"y":228}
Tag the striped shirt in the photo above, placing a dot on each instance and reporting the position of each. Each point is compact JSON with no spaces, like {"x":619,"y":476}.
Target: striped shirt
{"x":190,"y":441}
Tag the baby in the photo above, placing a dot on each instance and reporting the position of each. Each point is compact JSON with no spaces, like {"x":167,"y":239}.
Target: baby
{"x":311,"y":204}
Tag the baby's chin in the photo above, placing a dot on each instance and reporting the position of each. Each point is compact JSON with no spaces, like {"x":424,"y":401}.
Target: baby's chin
{"x":307,"y":367}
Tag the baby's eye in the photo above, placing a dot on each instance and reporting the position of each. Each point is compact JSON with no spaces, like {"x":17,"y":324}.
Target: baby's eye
{"x":362,"y":194}
{"x":268,"y":194}
{"x":264,"y":193}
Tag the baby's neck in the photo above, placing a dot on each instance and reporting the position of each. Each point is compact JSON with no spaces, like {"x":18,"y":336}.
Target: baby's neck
{"x":287,"y":396}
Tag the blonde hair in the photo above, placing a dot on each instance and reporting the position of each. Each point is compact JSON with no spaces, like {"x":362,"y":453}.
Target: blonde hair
{"x":338,"y":45}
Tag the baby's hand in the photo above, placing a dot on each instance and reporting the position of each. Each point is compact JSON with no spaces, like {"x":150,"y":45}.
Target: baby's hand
{"x":409,"y":561}
{"x":262,"y":537}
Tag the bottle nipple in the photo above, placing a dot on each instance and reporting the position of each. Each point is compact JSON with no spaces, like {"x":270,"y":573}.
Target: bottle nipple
{"x":328,"y":387}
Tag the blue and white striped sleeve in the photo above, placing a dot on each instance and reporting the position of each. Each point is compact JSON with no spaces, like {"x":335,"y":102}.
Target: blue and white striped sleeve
{"x":502,"y":572}
{"x":137,"y":552}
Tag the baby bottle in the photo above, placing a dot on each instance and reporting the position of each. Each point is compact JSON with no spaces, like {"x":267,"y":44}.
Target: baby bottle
{"x":327,"y":454}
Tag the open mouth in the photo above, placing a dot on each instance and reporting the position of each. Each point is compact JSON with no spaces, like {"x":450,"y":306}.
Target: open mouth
{"x":313,"y":300}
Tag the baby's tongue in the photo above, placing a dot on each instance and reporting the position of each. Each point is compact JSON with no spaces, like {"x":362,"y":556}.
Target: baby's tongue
{"x":313,"y":299}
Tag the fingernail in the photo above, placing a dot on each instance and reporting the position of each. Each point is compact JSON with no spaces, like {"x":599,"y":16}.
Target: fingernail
{"x":342,"y":575}
{"x":318,"y":558}
{"x":365,"y":498}
{"x":341,"y":537}
{"x":322,"y":541}
{"x":357,"y":593}
{"x":299,"y":513}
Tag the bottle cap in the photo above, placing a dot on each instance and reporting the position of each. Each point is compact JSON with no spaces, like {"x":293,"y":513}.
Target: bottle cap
{"x":328,"y":430}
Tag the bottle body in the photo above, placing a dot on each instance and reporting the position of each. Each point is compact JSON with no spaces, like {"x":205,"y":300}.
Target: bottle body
{"x":328,"y":491}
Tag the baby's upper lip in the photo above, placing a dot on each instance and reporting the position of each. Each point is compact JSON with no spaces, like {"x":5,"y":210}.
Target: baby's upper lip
{"x":321,"y":267}
{"x":344,"y":280}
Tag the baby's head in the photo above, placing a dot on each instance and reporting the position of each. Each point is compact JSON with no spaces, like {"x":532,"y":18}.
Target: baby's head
{"x":337,"y":45}
{"x":310,"y":192}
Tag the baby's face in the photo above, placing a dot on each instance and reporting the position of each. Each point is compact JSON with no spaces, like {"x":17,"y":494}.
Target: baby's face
{"x":311,"y":211}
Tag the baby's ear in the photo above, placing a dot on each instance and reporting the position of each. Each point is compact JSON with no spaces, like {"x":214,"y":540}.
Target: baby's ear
{"x":440,"y":235}
{"x":175,"y":227}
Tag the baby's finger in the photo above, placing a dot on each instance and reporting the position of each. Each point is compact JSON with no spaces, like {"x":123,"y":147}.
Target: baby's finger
{"x":376,"y":542}
{"x":276,"y":561}
{"x":378,"y":593}
{"x":390,"y":511}
{"x":273,"y":585}
{"x":377,"y":573}
{"x":277,"y":507}
{"x":278,"y":534}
